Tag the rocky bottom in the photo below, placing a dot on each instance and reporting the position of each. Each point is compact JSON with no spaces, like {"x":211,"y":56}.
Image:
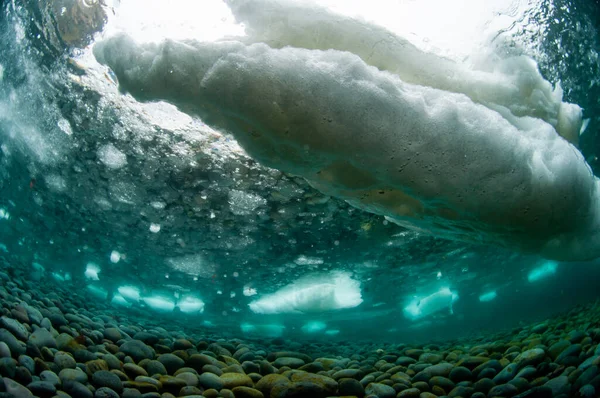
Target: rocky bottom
{"x":57,"y":343}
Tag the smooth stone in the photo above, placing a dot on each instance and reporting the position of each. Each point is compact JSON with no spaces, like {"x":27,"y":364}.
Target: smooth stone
{"x":137,"y":350}
{"x":327,"y":383}
{"x":210,"y":380}
{"x":42,"y":338}
{"x":536,"y":392}
{"x":77,"y":374}
{"x":507,"y":374}
{"x":380,"y":390}
{"x":104,"y":378}
{"x":587,"y":391}
{"x":155,"y":367}
{"x":105,"y":392}
{"x":290,"y":362}
{"x":15,"y":389}
{"x":76,"y":389}
{"x":442,"y":382}
{"x":266,"y":383}
{"x":197,"y":361}
{"x":14,"y":327}
{"x":134,"y":370}
{"x":112,"y":361}
{"x":405,"y":361}
{"x":231,"y":380}
{"x":246,"y":392}
{"x":51,"y":377}
{"x":190,"y":379}
{"x":572,"y":350}
{"x":559,"y":385}
{"x":171,"y":362}
{"x":27,"y":362}
{"x":188,"y":391}
{"x":503,"y":390}
{"x":112,"y":334}
{"x":441,"y":369}
{"x":8,"y":367}
{"x":146,"y":337}
{"x":4,"y":350}
{"x":42,"y":388}
{"x":16,"y":347}
{"x":348,"y":373}
{"x":409,"y":393}
{"x":460,"y":373}
{"x":530,"y":357}
{"x":349,"y":386}
{"x":64,"y":360}
{"x":527,"y":372}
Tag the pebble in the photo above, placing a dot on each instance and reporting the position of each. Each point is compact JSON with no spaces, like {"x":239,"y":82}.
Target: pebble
{"x":105,"y":392}
{"x":171,"y":362}
{"x":4,"y":350}
{"x":15,"y":389}
{"x":104,"y":378}
{"x":15,"y":327}
{"x":381,"y":390}
{"x":137,"y":350}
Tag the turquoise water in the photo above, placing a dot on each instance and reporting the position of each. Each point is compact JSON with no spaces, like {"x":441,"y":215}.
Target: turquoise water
{"x":175,"y":213}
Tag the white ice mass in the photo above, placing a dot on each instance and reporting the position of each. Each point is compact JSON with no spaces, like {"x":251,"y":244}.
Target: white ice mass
{"x":441,"y":300}
{"x":473,"y":153}
{"x":311,"y":294}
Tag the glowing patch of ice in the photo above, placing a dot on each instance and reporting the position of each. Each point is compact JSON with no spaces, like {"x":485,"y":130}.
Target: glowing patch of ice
{"x":38,"y":267}
{"x":158,"y":205}
{"x":98,"y":292}
{"x":154,"y":228}
{"x":115,"y":257}
{"x":111,"y":156}
{"x":120,"y":300}
{"x":268,"y":330}
{"x":332,"y":332}
{"x":304,"y":260}
{"x":159,"y":303}
{"x":543,"y":271}
{"x":249,"y":291}
{"x":441,"y":300}
{"x":4,"y":214}
{"x":489,"y":296}
{"x":91,"y":271}
{"x":334,"y":291}
{"x":65,"y":126}
{"x":191,"y":305}
{"x":129,"y":293}
{"x":313,"y":327}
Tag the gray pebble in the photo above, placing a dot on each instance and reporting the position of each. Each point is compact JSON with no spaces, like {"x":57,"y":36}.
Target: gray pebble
{"x":64,"y":360}
{"x":50,"y":376}
{"x":15,"y":389}
{"x":76,"y":389}
{"x":380,"y":390}
{"x":4,"y":350}
{"x":15,"y":327}
{"x":42,"y":338}
{"x":137,"y":350}
{"x":77,"y":374}
{"x":171,"y":362}
{"x":209,"y":380}
{"x":42,"y":388}
{"x":104,"y":378}
{"x":16,"y":347}
{"x":105,"y":392}
{"x":8,"y":367}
